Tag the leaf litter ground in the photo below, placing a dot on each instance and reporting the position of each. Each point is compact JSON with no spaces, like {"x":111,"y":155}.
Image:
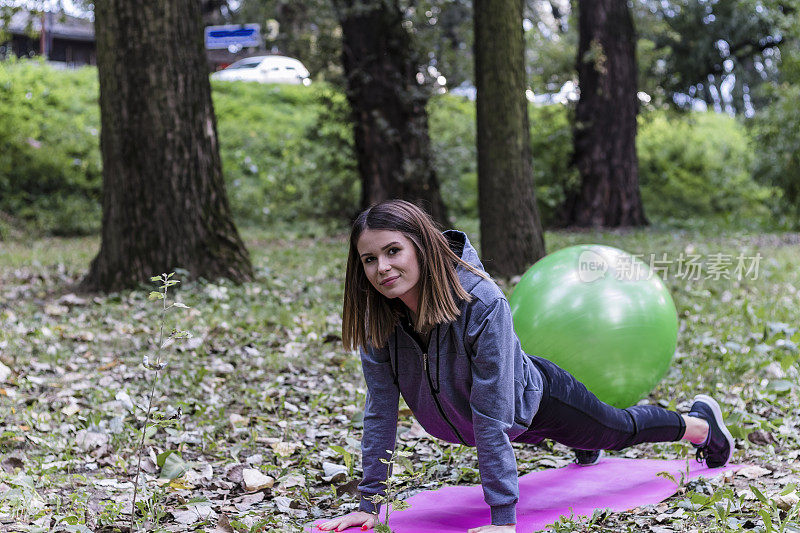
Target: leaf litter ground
{"x":261,"y":409}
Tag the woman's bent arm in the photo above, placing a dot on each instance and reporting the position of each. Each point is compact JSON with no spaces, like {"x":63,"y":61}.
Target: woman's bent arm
{"x":380,"y":424}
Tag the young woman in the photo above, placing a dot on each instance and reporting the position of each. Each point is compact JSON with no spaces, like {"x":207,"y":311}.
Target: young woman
{"x":432,"y":326}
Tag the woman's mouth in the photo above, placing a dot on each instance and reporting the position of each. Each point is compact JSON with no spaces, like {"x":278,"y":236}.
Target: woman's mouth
{"x":388,"y":282}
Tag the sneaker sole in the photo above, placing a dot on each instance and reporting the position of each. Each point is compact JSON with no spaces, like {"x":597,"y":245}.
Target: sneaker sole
{"x":711,"y":402}
{"x":599,"y":456}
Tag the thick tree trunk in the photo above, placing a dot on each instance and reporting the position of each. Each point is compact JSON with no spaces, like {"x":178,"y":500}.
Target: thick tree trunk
{"x":164,"y":200}
{"x":605,"y":120}
{"x":511,"y":231}
{"x":388,"y":105}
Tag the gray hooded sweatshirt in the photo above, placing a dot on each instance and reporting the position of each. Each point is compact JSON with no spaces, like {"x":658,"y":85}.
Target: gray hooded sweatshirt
{"x":473,"y":385}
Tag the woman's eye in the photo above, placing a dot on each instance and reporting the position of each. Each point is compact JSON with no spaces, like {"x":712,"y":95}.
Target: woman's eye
{"x":393,"y":251}
{"x":368,"y":260}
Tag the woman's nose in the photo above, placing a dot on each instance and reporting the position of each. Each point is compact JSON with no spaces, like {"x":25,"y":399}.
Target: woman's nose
{"x":383,"y":265}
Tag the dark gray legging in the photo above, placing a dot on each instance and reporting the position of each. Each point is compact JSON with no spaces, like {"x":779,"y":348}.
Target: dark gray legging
{"x":575,"y":417}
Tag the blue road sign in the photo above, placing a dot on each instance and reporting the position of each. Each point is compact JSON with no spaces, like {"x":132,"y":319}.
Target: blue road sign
{"x":243,"y":35}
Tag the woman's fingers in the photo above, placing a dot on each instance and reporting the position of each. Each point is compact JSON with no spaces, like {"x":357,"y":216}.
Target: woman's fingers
{"x":327,"y":526}
{"x":365,"y":520}
{"x":370,"y":523}
{"x":337,"y":524}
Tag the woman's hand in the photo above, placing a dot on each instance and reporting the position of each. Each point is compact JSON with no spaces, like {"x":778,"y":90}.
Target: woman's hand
{"x":359,"y":518}
{"x":511,"y":528}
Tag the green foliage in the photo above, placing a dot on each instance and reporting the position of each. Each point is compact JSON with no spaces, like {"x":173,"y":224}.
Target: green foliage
{"x":286,"y":151}
{"x":777,"y":143}
{"x":451,"y":123}
{"x":441,"y":33}
{"x":283,"y":149}
{"x":698,"y":166}
{"x":22,"y":499}
{"x":691,"y":166}
{"x":551,"y":147}
{"x":330,"y":158}
{"x":692,"y":46}
{"x":394,"y":482}
{"x":287,"y":154}
{"x":347,"y":457}
{"x":551,"y":45}
{"x":50,"y":168}
{"x":172,"y":464}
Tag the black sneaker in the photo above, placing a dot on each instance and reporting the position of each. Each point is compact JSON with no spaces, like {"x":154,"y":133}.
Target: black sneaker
{"x":718,"y":448}
{"x":587,"y":457}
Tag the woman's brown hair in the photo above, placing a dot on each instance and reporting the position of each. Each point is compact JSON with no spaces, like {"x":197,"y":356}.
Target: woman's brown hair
{"x":368,"y":317}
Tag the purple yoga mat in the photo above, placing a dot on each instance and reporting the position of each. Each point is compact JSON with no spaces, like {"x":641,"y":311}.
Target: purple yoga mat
{"x":614,"y":483}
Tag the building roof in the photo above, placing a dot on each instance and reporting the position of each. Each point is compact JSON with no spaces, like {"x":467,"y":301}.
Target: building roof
{"x":56,"y":24}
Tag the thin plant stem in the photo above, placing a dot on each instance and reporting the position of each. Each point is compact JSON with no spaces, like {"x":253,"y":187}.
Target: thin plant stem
{"x":149,"y":406}
{"x":389,"y":498}
{"x":141,"y":447}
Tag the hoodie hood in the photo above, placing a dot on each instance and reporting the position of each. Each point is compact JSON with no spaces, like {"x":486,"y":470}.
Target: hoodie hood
{"x":462,"y":247}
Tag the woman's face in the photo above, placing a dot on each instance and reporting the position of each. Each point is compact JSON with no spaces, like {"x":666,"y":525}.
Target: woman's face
{"x":391,"y":265}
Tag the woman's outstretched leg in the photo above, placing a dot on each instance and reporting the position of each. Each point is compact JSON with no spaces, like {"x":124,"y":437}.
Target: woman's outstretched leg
{"x":572,"y":415}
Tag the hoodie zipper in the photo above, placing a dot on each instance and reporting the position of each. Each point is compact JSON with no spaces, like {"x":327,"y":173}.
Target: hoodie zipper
{"x":436,"y":399}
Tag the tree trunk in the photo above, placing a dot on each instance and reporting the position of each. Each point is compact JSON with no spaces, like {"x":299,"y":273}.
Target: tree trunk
{"x":164,"y":200}
{"x":511,"y":231}
{"x":388,"y":106}
{"x":605,"y":120}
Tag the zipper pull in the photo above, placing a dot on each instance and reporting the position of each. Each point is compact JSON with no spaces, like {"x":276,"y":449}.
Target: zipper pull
{"x":425,"y":361}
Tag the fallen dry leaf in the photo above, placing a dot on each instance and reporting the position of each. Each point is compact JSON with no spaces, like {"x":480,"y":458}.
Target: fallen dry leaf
{"x":761,"y":437}
{"x":234,"y":473}
{"x":752,"y":472}
{"x":223,"y":525}
{"x":243,"y":503}
{"x":290,"y":481}
{"x":88,"y":440}
{"x":5,"y":372}
{"x":284,"y":449}
{"x":194,"y":513}
{"x":71,"y":409}
{"x":9,"y":464}
{"x":238,"y":420}
{"x":254,"y":480}
{"x":786,"y":501}
{"x":111,"y":364}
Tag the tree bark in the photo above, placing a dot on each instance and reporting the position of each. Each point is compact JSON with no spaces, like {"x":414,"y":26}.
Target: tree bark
{"x":511,"y":230}
{"x":388,"y":106}
{"x":605,"y":120}
{"x":164,"y":200}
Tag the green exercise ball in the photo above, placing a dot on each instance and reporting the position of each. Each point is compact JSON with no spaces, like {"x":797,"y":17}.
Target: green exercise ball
{"x":600,"y":314}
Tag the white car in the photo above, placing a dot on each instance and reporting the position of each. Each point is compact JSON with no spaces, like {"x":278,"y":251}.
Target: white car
{"x":266,"y":69}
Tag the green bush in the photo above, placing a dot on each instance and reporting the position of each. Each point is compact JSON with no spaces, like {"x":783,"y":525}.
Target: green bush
{"x":691,"y":166}
{"x":698,"y":166}
{"x":551,"y":146}
{"x":287,"y":154}
{"x":775,"y":134}
{"x":286,"y":151}
{"x":777,"y":141}
{"x":451,"y":124}
{"x":50,"y":168}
